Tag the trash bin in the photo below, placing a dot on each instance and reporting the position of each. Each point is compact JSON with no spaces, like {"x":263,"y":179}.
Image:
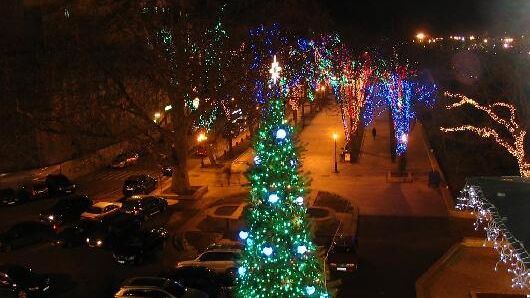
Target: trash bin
{"x":434,"y":179}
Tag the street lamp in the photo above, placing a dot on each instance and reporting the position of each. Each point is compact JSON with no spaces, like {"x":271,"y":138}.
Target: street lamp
{"x":200,"y":139}
{"x":335,"y":137}
{"x":157,"y":117}
{"x":420,"y":36}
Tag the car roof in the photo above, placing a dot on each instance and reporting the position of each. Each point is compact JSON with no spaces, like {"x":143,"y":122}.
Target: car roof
{"x":233,"y":250}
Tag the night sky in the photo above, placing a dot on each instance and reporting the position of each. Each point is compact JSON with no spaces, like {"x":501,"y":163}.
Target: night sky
{"x":403,"y":18}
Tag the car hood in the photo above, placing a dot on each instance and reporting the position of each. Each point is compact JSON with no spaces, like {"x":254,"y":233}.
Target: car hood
{"x":126,"y":250}
{"x":343,"y":258}
{"x":90,"y":215}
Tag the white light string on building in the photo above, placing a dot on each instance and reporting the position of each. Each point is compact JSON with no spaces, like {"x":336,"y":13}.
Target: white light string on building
{"x":511,"y":251}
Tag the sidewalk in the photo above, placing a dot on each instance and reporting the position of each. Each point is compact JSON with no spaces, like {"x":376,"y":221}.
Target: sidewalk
{"x":364,"y":183}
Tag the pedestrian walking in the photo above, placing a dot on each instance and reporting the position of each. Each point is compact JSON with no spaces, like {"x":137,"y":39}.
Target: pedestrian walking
{"x":374,"y":133}
{"x":227,"y":170}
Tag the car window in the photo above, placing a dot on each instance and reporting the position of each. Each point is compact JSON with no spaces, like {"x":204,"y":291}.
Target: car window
{"x":95,"y":210}
{"x":218,"y":256}
{"x":110,"y":208}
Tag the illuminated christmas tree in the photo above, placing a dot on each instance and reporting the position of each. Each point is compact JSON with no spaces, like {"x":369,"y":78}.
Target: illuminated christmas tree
{"x":280,"y":258}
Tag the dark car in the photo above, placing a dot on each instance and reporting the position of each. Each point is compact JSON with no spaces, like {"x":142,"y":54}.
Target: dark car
{"x":139,"y":184}
{"x":134,"y":248}
{"x":59,"y":185}
{"x":342,"y":255}
{"x":20,"y":281}
{"x":200,"y":278}
{"x":107,"y":234}
{"x":144,"y":207}
{"x":24,"y":234}
{"x":167,"y":170}
{"x":66,"y":210}
{"x":156,"y":287}
{"x":8,"y":197}
{"x":76,"y":235}
{"x":34,"y":190}
{"x":124,"y":159}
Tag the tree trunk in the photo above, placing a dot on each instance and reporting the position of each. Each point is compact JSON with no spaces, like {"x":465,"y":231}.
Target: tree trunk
{"x":211,"y":155}
{"x":180,"y":181}
{"x":303,"y":114}
{"x":230,"y":146}
{"x":295,"y":116}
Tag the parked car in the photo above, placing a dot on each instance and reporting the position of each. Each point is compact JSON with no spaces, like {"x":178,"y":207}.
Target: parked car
{"x":101,"y":211}
{"x":113,"y":231}
{"x":167,"y":170}
{"x":342,"y":255}
{"x":24,"y":234}
{"x":124,"y":159}
{"x":156,"y":287}
{"x":139,"y":184}
{"x":144,"y":207}
{"x":35,"y":190}
{"x":8,"y":197}
{"x":218,"y":260}
{"x":138,"y":246}
{"x":66,"y":210}
{"x":199,"y":278}
{"x":20,"y":281}
{"x":75,"y":235}
{"x":59,"y":185}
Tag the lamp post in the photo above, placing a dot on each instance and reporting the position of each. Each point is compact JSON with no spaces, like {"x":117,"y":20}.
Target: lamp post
{"x":200,"y":139}
{"x":335,"y":136}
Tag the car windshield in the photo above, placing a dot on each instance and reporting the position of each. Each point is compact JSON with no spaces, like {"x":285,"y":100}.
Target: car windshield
{"x":39,"y":186}
{"x":131,"y":204}
{"x":60,"y":180}
{"x":343,"y":249}
{"x":95,"y":210}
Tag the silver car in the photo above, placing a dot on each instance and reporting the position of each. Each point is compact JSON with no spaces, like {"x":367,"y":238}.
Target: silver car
{"x":147,"y":287}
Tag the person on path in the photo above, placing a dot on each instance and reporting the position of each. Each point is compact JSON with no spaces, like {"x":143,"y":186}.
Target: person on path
{"x":227,"y":170}
{"x":374,"y":132}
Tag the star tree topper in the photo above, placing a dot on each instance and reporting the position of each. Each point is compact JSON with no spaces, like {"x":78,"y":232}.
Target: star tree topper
{"x":275,"y":70}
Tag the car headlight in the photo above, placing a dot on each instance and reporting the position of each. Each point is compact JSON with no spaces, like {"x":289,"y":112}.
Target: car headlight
{"x":51,"y":217}
{"x":87,"y":240}
{"x":99,"y":243}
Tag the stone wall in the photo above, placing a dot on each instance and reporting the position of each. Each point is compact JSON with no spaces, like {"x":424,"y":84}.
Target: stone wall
{"x":73,"y":169}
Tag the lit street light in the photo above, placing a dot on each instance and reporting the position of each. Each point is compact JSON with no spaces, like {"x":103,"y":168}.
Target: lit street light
{"x":335,"y":137}
{"x":157,"y":117}
{"x":420,"y":36}
{"x":200,"y":139}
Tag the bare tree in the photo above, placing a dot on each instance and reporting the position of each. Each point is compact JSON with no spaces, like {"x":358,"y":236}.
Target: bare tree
{"x":514,"y":145}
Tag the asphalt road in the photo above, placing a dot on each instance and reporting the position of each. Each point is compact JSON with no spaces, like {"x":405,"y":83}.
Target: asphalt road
{"x":394,"y":252}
